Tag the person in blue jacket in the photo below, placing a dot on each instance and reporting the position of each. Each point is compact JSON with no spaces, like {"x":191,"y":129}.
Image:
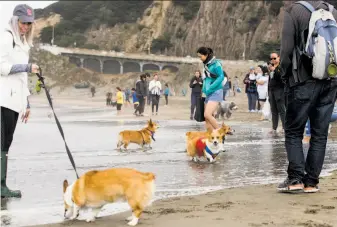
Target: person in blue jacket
{"x":214,"y":79}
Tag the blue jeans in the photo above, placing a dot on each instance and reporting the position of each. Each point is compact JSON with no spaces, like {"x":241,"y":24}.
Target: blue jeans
{"x":252,"y":98}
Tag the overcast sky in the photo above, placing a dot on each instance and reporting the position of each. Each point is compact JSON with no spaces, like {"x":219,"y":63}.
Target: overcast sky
{"x":7,"y":7}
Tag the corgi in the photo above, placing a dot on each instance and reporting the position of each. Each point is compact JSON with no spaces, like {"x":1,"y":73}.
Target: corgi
{"x":96,"y":188}
{"x":208,"y":146}
{"x":226,"y":129}
{"x":141,"y":137}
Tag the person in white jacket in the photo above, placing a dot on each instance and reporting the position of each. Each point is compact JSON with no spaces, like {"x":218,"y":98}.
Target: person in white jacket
{"x":17,"y":39}
{"x":155,"y":89}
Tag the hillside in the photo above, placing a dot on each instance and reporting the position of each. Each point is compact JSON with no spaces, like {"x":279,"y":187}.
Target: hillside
{"x":232,"y":28}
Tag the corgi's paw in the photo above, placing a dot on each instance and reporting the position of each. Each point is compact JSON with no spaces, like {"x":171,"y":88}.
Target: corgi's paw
{"x":194,"y":159}
{"x":133,"y":222}
{"x":129,"y":218}
{"x":91,"y":219}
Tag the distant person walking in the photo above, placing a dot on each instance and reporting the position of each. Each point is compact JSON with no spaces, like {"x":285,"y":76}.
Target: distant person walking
{"x":141,"y":89}
{"x":134,"y":99}
{"x":196,"y":86}
{"x":154,"y":89}
{"x":93,"y":91}
{"x":251,"y":90}
{"x":235,"y":85}
{"x":119,"y":100}
{"x":16,"y":41}
{"x":166,"y":93}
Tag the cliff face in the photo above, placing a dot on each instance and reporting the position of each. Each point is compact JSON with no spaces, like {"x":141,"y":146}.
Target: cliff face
{"x":234,"y":29}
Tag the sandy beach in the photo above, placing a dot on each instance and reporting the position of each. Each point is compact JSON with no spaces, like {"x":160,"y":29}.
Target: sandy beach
{"x":256,"y":205}
{"x":253,"y":206}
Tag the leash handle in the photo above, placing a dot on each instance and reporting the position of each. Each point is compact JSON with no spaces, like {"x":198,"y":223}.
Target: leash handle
{"x":41,"y":79}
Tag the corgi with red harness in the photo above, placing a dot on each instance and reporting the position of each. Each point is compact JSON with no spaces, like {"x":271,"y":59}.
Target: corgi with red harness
{"x":208,"y":146}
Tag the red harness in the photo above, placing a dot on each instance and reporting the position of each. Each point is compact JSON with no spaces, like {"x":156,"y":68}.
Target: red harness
{"x":200,"y":145}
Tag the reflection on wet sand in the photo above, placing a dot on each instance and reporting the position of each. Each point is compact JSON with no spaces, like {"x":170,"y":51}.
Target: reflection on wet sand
{"x":38,"y":163}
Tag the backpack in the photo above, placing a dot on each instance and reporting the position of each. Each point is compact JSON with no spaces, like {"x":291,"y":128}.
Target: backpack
{"x":321,"y":43}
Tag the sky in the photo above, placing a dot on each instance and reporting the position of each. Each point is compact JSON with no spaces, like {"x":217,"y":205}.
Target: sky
{"x":7,"y":7}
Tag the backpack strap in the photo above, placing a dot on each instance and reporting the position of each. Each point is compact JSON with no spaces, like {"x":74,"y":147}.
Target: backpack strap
{"x":307,"y":5}
{"x":13,"y":38}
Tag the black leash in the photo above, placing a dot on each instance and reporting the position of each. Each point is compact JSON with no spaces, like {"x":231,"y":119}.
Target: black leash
{"x":41,"y":79}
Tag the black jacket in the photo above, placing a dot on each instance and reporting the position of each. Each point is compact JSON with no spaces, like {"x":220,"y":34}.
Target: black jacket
{"x":196,"y":88}
{"x":276,"y":81}
{"x":141,"y":90}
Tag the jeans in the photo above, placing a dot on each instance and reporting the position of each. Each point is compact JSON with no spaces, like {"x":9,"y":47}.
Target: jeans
{"x":9,"y":119}
{"x":277,"y":106}
{"x":252,"y":98}
{"x":155,"y":102}
{"x":313,"y":99}
{"x":194,"y":98}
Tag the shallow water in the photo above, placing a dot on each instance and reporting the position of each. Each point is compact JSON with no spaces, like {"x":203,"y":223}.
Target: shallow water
{"x":38,"y":162}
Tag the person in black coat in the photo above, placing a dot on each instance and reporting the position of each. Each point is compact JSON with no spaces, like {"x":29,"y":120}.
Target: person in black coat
{"x":196,"y":85}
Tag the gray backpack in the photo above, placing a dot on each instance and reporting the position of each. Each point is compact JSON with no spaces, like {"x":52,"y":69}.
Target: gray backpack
{"x":321,"y":43}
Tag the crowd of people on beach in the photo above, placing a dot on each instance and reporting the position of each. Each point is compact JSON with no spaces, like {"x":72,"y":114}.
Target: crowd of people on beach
{"x":146,"y":91}
{"x":296,"y":91}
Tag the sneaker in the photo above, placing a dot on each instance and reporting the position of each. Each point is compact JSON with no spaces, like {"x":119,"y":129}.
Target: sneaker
{"x":310,"y":189}
{"x":273,"y":132}
{"x":291,"y":186}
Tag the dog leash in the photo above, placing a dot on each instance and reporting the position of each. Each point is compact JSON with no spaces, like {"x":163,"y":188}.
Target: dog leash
{"x":41,"y":79}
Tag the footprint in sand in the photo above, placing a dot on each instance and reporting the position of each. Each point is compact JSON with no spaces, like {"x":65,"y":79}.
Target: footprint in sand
{"x":219,"y":205}
{"x":311,"y":211}
{"x":328,"y":207}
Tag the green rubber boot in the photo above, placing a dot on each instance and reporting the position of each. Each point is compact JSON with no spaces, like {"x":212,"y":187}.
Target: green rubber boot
{"x":5,"y":191}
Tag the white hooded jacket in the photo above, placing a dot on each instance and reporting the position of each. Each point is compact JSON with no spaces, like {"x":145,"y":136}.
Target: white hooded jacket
{"x":13,"y":87}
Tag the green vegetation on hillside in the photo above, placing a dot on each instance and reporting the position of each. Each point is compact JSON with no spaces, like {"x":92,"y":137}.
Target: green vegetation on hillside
{"x":265,"y":48}
{"x":78,"y":16}
{"x":191,"y":8}
{"x":161,"y":43}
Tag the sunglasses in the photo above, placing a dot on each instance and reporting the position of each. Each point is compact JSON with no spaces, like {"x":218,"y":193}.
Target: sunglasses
{"x":273,"y":58}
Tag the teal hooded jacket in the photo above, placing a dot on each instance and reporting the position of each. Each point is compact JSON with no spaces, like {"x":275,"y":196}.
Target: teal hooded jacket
{"x":213,"y":84}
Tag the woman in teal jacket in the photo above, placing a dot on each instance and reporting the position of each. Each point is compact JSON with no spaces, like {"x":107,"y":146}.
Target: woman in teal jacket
{"x":214,"y":79}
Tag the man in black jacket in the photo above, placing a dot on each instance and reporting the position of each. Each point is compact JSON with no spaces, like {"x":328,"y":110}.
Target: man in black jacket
{"x":276,"y":93}
{"x":196,"y":85}
{"x":141,"y":92}
{"x":306,"y":98}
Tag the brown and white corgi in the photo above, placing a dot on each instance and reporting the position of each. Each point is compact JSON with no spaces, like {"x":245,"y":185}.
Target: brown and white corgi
{"x":96,"y":188}
{"x":141,"y":137}
{"x":208,"y":146}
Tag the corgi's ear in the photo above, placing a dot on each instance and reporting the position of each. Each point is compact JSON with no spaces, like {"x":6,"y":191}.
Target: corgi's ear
{"x":65,"y":185}
{"x":150,"y":122}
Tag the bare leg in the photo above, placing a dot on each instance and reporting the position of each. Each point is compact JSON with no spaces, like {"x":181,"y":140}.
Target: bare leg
{"x":209,"y":110}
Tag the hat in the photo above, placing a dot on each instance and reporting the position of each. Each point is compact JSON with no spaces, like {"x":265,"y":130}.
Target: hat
{"x":251,"y":68}
{"x":24,"y":12}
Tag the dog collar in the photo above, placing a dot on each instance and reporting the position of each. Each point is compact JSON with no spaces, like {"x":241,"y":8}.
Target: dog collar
{"x":152,"y":134}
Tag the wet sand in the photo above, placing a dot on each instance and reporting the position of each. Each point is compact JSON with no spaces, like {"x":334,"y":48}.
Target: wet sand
{"x":245,"y":206}
{"x":258,"y":205}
